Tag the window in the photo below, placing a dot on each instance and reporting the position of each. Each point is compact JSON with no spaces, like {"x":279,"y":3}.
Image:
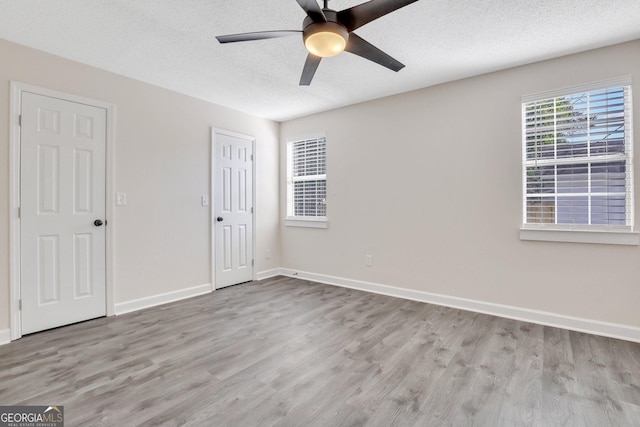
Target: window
{"x":577,"y":159}
{"x":307,"y":183}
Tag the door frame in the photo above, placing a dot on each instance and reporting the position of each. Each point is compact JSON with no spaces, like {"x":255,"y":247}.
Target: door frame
{"x":16,"y":90}
{"x":219,"y":131}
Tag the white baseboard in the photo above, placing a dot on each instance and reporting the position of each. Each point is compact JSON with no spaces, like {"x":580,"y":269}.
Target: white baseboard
{"x":152,"y":301}
{"x":5,"y":336}
{"x":595,"y":327}
{"x":267,"y":274}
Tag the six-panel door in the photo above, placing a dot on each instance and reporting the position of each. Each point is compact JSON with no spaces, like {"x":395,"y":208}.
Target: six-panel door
{"x":62,"y":234}
{"x":233,"y":206}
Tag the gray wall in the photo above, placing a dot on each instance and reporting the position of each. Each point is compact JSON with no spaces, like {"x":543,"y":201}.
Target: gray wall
{"x":162,"y":162}
{"x":429,"y":183}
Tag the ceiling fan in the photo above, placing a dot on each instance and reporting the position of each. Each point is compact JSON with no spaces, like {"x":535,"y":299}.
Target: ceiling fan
{"x":326,"y":33}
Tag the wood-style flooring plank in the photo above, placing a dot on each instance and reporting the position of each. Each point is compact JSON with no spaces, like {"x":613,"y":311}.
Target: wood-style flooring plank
{"x":523,"y":391}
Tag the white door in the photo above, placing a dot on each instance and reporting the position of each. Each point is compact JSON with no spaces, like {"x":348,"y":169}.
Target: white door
{"x":62,"y":212}
{"x":232,"y":184}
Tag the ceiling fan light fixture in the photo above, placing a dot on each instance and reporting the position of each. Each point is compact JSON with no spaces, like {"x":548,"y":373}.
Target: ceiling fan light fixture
{"x":325,"y":39}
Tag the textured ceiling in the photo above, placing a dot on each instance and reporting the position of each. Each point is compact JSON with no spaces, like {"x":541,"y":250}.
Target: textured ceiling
{"x":170,"y":43}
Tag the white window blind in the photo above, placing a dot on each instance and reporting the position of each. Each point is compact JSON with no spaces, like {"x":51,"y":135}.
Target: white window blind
{"x":577,"y":160}
{"x":307,"y":178}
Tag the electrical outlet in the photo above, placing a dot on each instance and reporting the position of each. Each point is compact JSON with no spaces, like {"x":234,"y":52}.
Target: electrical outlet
{"x":368,"y":260}
{"x":267,"y":254}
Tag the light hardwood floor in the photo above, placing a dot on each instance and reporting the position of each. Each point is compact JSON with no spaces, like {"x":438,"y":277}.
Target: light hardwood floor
{"x":287,"y":352}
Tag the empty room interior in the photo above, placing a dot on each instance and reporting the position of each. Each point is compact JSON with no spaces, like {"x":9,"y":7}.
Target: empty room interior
{"x":301,"y":212}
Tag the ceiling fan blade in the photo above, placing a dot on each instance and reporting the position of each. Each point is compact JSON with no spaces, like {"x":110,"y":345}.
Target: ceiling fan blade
{"x":359,"y":46}
{"x":357,"y":16}
{"x":260,"y":35}
{"x":310,"y":67}
{"x":313,"y":10}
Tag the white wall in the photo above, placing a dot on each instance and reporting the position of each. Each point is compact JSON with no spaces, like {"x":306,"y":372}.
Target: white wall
{"x":162,"y":162}
{"x":429,"y":183}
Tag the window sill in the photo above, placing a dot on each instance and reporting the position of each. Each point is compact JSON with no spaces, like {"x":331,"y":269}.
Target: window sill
{"x":306,"y":222}
{"x":581,"y":236}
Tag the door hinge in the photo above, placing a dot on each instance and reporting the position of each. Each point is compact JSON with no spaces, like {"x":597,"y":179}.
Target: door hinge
{"x":252,"y":210}
{"x":253,"y":263}
{"x":19,"y":212}
{"x":252,"y":157}
{"x":20,"y":120}
{"x":20,"y":304}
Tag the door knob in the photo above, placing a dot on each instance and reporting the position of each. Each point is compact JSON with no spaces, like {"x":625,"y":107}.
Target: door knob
{"x":219,"y":219}
{"x":98,"y":222}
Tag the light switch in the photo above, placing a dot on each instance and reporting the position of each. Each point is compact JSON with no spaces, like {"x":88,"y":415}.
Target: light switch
{"x":205,"y":200}
{"x":121,"y":199}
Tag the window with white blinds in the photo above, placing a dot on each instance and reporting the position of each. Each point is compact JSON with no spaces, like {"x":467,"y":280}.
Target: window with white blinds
{"x":307,"y":179}
{"x":577,"y":159}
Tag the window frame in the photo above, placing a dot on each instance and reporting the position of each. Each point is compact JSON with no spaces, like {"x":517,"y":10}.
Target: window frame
{"x":582,"y":233}
{"x":308,"y":221}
